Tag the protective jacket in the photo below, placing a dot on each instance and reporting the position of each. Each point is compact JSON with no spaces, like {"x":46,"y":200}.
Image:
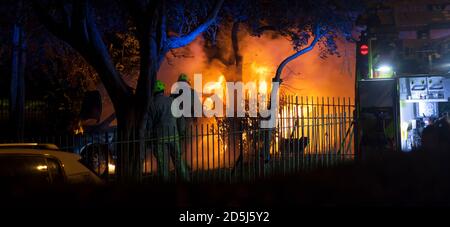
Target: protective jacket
{"x":161,"y":122}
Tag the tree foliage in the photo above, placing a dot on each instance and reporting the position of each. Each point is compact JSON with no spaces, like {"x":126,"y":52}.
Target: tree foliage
{"x":305,"y":24}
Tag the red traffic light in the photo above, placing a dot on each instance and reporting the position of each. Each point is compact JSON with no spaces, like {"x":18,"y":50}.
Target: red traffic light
{"x":364,"y":49}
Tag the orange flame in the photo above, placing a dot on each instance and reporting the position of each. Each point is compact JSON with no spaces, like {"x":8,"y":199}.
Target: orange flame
{"x":79,"y":130}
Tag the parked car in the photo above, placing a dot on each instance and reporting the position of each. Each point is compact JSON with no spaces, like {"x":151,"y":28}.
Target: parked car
{"x":36,"y":164}
{"x":98,"y":158}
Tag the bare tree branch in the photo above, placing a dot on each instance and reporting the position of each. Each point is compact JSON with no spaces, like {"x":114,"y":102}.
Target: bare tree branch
{"x":317,"y":36}
{"x":177,"y":42}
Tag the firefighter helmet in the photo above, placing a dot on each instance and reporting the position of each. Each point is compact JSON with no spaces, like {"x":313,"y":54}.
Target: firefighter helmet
{"x":183,"y":77}
{"x":159,"y":86}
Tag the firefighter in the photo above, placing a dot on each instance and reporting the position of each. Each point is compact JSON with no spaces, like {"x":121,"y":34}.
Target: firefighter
{"x":164,"y":128}
{"x":183,"y":123}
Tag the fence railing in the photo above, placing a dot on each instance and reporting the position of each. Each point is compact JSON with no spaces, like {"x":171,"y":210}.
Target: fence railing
{"x":310,"y":133}
{"x":37,"y":114}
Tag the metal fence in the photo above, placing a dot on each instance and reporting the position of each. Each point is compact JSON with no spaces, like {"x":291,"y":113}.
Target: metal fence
{"x":37,"y":114}
{"x":311,"y":133}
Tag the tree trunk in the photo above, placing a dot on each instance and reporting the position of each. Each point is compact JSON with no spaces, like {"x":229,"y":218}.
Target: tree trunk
{"x":237,"y":124}
{"x":129,"y":137}
{"x":236,"y":50}
{"x":132,"y":113}
{"x":17,"y":92}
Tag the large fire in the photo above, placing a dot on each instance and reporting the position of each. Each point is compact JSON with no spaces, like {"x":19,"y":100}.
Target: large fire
{"x":309,"y":74}
{"x":260,"y":75}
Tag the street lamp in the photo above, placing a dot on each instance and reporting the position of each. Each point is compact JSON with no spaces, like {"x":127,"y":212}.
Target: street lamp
{"x":384,"y":71}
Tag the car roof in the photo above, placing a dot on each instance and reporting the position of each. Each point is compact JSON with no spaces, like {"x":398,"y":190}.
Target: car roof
{"x":45,"y":152}
{"x":47,"y":146}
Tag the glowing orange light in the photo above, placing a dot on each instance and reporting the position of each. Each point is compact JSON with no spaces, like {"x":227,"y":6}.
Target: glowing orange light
{"x":41,"y":167}
{"x":79,"y":130}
